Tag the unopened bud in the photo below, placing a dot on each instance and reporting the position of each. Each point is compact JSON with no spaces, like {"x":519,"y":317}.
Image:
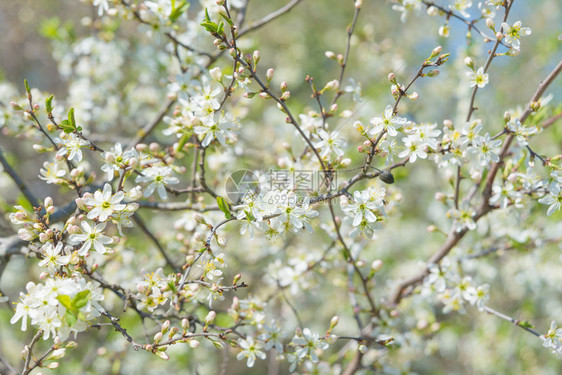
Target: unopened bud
{"x":158,"y":337}
{"x":436,"y":51}
{"x":286,"y":95}
{"x":256,"y":57}
{"x":490,"y":24}
{"x":165,"y":326}
{"x":216,"y":74}
{"x":469,"y":62}
{"x":506,"y":116}
{"x":332,"y":85}
{"x":334,"y":322}
{"x":392,"y":77}
{"x":185,"y":324}
{"x":377,"y":265}
{"x":329,"y":54}
{"x":433,"y":73}
{"x":236,"y":279}
{"x":269,"y":74}
{"x":210,"y":317}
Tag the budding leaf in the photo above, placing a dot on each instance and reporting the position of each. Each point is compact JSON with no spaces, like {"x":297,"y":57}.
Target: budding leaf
{"x":223,"y":206}
{"x":183,"y":140}
{"x":227,"y":19}
{"x":81,"y":299}
{"x":66,"y":126}
{"x":177,"y":11}
{"x":71,"y":118}
{"x":70,"y":318}
{"x":65,"y":301}
{"x":49,"y":104}
{"x":27,"y":89}
{"x":526,"y":324}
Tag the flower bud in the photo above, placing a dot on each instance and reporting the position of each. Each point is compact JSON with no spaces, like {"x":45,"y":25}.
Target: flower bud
{"x":345,"y":162}
{"x":165,"y":327}
{"x":48,"y":202}
{"x":469,"y":62}
{"x":158,"y":337}
{"x":432,"y":11}
{"x":16,"y":106}
{"x":377,"y":265}
{"x":256,"y":57}
{"x":236,"y":279}
{"x":392,"y":77}
{"x":332,"y":85}
{"x":330,"y":55}
{"x":433,"y":73}
{"x":39,"y":148}
{"x":269,"y":74}
{"x":193,"y":344}
{"x":334,"y":322}
{"x":490,"y":24}
{"x":286,"y":95}
{"x":210,"y":318}
{"x":506,"y":116}
{"x":358,"y":4}
{"x":43,"y":237}
{"x":436,"y":51}
{"x":216,"y":74}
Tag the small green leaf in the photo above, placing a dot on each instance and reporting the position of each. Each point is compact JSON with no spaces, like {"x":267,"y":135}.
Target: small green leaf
{"x":210,"y":26}
{"x":223,"y":206}
{"x":227,"y":19}
{"x":71,"y":118}
{"x":526,"y":324}
{"x":27,"y":89}
{"x":65,"y":301}
{"x":22,"y":201}
{"x":177,"y":12}
{"x":49,"y":104}
{"x":183,"y":140}
{"x":250,"y":216}
{"x":220,"y":28}
{"x":70,"y":318}
{"x":66,"y":126}
{"x":81,"y":299}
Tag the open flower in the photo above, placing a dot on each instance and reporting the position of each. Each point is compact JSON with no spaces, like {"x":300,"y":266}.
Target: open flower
{"x":250,"y":350}
{"x":93,"y":237}
{"x":105,"y":204}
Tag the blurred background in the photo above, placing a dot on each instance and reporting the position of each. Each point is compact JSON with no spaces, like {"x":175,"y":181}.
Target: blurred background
{"x":41,"y":42}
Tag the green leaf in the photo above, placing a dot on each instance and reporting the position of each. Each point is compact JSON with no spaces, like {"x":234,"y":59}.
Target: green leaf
{"x":65,"y":301}
{"x":176,"y":12}
{"x":210,"y":26}
{"x":526,"y":324}
{"x":183,"y":140}
{"x":227,"y":19}
{"x":70,"y":318}
{"x":224,"y":320}
{"x":22,"y":201}
{"x":71,"y":118}
{"x":224,"y":207}
{"x":220,"y":28}
{"x":66,"y":126}
{"x":27,"y":89}
{"x":250,"y":216}
{"x":81,"y":299}
{"x":49,"y":104}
